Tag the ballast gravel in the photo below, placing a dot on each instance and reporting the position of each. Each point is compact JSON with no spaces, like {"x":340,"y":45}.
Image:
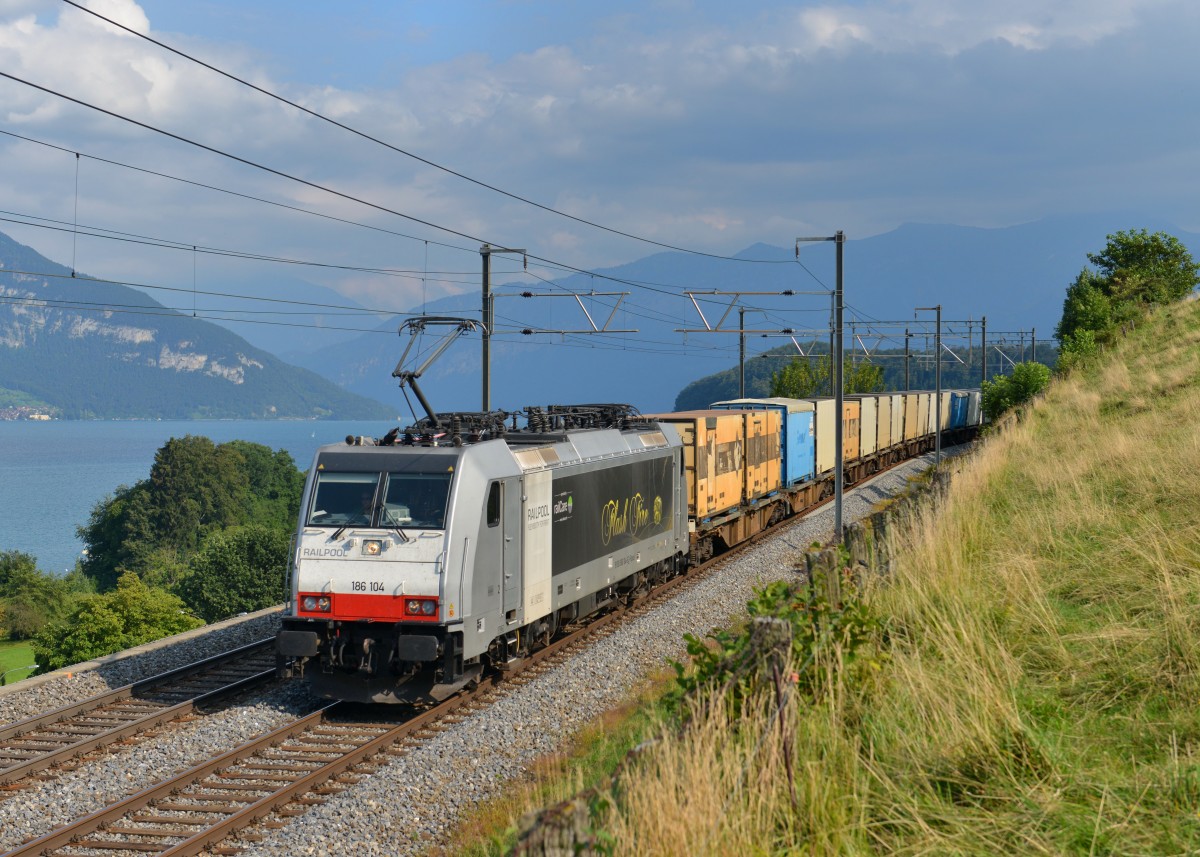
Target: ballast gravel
{"x":23,"y":700}
{"x":412,"y":802}
{"x":114,"y":776}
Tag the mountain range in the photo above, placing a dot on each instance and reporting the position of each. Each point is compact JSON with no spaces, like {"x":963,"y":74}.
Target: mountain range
{"x":84,"y":348}
{"x":1015,"y":276}
{"x":91,"y":348}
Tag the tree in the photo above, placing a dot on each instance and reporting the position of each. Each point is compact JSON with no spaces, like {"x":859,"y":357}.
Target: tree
{"x":237,"y":571}
{"x":801,"y":380}
{"x":195,"y":489}
{"x":117,"y":534}
{"x":130,"y":615}
{"x":29,"y":597}
{"x":1135,"y":270}
{"x":1152,"y":268}
{"x":13,"y":563}
{"x":1086,"y":307}
{"x":275,"y":484}
{"x":1004,"y":393}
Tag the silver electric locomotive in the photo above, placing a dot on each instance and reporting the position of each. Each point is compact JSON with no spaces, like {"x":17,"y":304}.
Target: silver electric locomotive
{"x":422,"y":558}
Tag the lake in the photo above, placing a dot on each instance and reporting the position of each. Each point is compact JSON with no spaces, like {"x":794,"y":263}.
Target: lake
{"x":55,"y":472}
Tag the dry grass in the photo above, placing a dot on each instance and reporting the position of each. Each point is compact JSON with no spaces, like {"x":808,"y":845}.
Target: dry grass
{"x":586,"y":762}
{"x":1042,"y":691}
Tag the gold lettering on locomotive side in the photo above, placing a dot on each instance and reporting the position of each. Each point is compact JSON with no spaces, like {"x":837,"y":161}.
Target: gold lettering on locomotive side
{"x":628,"y":517}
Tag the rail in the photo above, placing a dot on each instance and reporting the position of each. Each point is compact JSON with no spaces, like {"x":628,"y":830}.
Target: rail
{"x":193,"y":811}
{"x":48,"y":739}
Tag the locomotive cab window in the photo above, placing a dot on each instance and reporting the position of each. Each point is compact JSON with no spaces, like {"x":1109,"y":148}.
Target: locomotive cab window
{"x":416,"y":500}
{"x":493,"y":505}
{"x":343,"y":499}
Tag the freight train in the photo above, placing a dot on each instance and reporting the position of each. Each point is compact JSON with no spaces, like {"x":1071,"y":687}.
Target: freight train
{"x":468,"y":540}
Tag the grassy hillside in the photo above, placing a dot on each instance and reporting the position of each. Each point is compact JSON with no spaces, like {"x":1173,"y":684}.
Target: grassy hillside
{"x":1038,"y":681}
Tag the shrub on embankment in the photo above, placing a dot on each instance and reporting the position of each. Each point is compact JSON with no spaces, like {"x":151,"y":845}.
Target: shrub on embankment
{"x":1037,"y":672}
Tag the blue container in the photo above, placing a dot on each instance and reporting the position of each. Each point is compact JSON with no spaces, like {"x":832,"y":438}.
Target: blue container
{"x":797,"y":438}
{"x":959,"y":406}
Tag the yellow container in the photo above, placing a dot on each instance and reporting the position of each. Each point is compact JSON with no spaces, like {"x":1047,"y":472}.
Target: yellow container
{"x":868,"y":427}
{"x":713,"y":458}
{"x":851,"y":428}
{"x":763,"y":468}
{"x":883,"y":422}
{"x":912,"y":416}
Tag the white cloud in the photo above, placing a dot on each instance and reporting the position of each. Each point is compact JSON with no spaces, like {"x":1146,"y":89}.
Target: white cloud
{"x":955,"y":26}
{"x":124,"y":12}
{"x":705,"y":133}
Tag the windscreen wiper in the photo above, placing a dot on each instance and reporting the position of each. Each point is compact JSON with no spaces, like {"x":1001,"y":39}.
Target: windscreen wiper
{"x":390,"y":520}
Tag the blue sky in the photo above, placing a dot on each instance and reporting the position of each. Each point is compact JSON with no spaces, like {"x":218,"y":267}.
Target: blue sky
{"x":709,"y":125}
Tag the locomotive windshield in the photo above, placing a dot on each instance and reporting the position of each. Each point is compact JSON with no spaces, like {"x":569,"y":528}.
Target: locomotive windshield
{"x":353,"y":499}
{"x":416,"y":500}
{"x":344,"y":499}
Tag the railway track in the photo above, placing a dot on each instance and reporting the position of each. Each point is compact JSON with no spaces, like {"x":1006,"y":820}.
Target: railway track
{"x":280,"y":775}
{"x":37,"y":743}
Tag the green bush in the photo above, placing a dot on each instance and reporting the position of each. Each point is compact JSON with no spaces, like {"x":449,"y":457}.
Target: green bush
{"x":1076,"y":348}
{"x":237,"y":571}
{"x":800,"y":379}
{"x":1006,"y":392}
{"x":130,"y":615}
{"x":29,"y":597}
{"x":827,"y":638}
{"x":196,"y":488}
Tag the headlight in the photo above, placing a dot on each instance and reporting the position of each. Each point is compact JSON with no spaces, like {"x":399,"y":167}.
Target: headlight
{"x":316,"y":603}
{"x":421,"y":608}
{"x":372,"y":547}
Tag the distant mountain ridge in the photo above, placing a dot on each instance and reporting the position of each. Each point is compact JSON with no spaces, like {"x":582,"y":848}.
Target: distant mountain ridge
{"x":93,"y":349}
{"x":1015,"y":276}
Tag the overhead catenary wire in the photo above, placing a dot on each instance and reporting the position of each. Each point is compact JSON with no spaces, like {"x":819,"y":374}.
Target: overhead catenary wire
{"x":550,"y":264}
{"x":131,"y":284}
{"x":169,"y":244}
{"x":234,"y":193}
{"x":334,"y":192}
{"x":160,"y":311}
{"x":323,"y":309}
{"x":177,"y":313}
{"x":209,"y":313}
{"x":315,"y":114}
{"x":241,"y":160}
